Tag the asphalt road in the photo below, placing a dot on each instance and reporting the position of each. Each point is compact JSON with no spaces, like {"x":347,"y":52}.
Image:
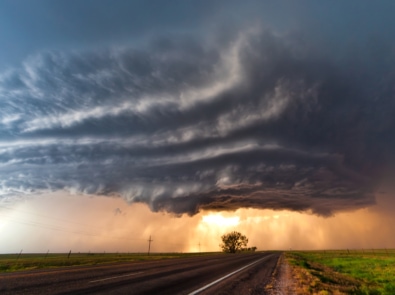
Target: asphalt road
{"x":172,"y":276}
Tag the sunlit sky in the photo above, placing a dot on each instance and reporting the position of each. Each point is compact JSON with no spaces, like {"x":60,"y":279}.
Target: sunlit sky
{"x":184,"y":120}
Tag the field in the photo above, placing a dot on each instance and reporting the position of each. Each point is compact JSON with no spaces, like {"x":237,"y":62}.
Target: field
{"x":344,"y":272}
{"x":16,"y":262}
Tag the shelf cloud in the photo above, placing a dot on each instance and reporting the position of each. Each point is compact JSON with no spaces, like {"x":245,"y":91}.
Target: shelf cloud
{"x":247,"y":119}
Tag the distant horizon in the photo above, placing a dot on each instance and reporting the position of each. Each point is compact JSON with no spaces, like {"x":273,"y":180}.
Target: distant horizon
{"x":345,"y":250}
{"x":145,"y":253}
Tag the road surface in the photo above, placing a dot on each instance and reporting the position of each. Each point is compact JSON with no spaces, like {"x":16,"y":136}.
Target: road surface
{"x":212,"y":274}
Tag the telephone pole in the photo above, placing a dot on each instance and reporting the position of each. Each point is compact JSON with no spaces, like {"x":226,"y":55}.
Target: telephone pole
{"x":149,"y":244}
{"x":199,"y":246}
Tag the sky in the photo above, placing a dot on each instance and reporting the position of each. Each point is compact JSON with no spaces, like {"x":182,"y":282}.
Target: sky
{"x":121,"y":120}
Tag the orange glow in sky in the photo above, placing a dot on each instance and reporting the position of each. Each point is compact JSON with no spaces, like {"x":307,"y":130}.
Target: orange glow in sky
{"x":216,"y":219}
{"x":60,"y":223}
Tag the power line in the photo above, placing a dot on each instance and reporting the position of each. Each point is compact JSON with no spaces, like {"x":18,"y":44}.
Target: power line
{"x":63,"y":229}
{"x":90,"y":234}
{"x":97,"y":232}
{"x":42,"y":215}
{"x":55,"y":228}
{"x":60,"y":227}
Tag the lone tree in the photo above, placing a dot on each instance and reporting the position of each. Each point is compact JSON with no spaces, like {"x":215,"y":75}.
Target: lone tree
{"x":233,"y":242}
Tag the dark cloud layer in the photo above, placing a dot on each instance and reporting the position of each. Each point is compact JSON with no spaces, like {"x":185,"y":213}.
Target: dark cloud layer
{"x":261,"y":119}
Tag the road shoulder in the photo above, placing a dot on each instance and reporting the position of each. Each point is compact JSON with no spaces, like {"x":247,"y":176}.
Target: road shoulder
{"x":282,"y":281}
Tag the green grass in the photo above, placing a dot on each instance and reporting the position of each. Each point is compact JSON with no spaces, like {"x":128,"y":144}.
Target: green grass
{"x":11,"y":262}
{"x":365,"y":272}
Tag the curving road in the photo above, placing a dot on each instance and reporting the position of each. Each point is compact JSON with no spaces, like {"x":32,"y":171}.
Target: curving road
{"x":214,"y":274}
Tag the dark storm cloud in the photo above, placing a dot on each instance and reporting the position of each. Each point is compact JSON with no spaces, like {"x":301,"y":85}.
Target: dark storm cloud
{"x":27,"y":26}
{"x":258,"y":120}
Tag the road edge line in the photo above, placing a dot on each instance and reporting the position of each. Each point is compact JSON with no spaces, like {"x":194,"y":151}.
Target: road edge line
{"x":227,"y":276}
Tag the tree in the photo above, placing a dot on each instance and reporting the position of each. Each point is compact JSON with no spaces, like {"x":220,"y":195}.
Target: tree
{"x":233,"y":242}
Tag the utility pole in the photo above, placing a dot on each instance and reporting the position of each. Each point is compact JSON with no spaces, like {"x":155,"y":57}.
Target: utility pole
{"x":149,"y":244}
{"x":199,"y":246}
{"x":19,"y":254}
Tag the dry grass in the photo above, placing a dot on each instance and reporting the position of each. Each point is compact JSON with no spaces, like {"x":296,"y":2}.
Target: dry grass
{"x":314,"y":278}
{"x":333,"y":273}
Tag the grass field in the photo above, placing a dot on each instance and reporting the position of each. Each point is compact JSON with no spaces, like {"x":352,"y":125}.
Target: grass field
{"x":16,"y":262}
{"x":344,"y":272}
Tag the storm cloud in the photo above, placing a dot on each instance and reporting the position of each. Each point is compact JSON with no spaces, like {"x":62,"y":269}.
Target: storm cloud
{"x":251,"y":118}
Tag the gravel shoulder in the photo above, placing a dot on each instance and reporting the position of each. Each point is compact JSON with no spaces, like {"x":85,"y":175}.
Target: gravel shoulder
{"x":283,"y":281}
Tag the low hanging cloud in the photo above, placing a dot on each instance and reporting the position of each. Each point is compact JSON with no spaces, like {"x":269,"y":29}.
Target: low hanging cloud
{"x":259,"y":120}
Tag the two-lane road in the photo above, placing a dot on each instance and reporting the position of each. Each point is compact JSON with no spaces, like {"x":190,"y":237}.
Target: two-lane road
{"x":212,"y":274}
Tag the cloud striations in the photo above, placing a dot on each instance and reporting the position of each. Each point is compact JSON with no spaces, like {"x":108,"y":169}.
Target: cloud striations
{"x":254,"y":119}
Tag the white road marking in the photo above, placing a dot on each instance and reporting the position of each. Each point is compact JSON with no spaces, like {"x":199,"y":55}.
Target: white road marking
{"x":227,"y":276}
{"x":128,"y":275}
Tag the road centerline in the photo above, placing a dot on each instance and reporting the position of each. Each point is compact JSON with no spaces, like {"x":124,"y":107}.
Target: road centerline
{"x":227,"y":276}
{"x":111,"y":278}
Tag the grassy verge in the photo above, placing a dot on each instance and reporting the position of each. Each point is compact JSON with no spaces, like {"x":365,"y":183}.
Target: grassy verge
{"x":14,"y":262}
{"x":344,"y":272}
